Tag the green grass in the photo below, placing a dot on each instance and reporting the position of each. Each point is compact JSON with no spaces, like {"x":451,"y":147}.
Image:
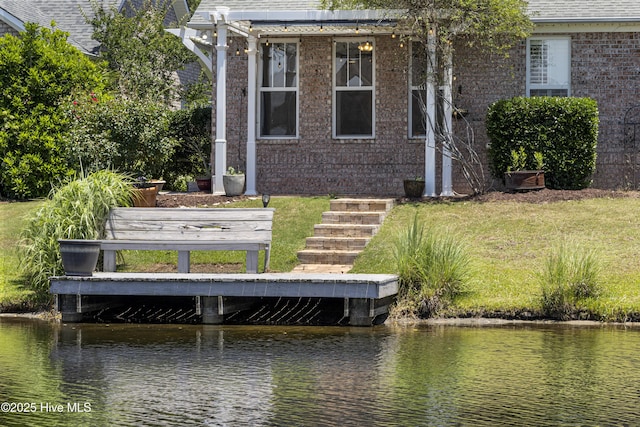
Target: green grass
{"x":12,"y":216}
{"x":508,"y":244}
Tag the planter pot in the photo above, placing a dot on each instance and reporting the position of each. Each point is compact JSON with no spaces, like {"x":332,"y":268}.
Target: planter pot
{"x":79,"y":257}
{"x":145,"y":197}
{"x":233,"y":184}
{"x":204,"y":183}
{"x":158,"y":184}
{"x":524,"y":180}
{"x":413,"y":188}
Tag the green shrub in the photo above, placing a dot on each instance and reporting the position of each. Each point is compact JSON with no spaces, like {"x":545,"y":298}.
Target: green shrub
{"x":570,"y":276}
{"x":192,"y":129}
{"x":432,"y":268}
{"x":38,"y":71}
{"x":563,"y":130}
{"x":130,"y":136}
{"x":77,"y":210}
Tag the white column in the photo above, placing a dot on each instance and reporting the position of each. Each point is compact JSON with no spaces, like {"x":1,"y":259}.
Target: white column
{"x":430,"y":119}
{"x":447,"y":186}
{"x":252,"y":52}
{"x":221,"y":109}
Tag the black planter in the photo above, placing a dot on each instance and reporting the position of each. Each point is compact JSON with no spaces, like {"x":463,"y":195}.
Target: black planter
{"x":79,"y":257}
{"x":413,"y":188}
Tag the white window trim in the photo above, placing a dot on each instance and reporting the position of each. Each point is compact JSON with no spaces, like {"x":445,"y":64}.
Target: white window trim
{"x":528,"y":65}
{"x":372,"y":88}
{"x":278,"y":89}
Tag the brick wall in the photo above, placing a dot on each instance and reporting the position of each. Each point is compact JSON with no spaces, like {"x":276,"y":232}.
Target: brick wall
{"x":6,"y":29}
{"x":605,"y":66}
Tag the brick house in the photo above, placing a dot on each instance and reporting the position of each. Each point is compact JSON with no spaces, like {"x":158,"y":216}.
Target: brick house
{"x":328,"y":108}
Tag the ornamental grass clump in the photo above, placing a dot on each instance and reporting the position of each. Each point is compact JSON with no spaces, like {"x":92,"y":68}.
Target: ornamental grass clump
{"x":77,"y":210}
{"x":432,"y":268}
{"x":570,"y":276}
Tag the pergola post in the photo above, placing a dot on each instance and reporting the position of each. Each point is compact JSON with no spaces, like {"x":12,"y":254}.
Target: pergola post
{"x":252,"y":53}
{"x":221,"y":108}
{"x":430,"y":137}
{"x":447,"y":186}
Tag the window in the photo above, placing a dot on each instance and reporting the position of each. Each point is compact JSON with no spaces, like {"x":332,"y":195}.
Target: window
{"x":548,"y":67}
{"x":417,"y":91}
{"x":353,"y":112}
{"x":279,"y":90}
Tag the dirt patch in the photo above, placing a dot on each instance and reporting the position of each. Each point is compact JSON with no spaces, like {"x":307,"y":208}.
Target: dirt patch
{"x":195,"y":199}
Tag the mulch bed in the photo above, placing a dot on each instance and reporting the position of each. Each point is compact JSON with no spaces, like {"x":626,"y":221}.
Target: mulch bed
{"x":201,"y":199}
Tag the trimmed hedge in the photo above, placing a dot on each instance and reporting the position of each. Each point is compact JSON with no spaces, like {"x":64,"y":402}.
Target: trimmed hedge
{"x":564,"y":130}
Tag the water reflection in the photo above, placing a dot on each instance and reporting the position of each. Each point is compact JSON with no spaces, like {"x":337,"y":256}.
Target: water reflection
{"x":308,"y":376}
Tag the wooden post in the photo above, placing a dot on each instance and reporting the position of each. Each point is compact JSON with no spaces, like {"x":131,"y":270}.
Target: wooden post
{"x":212,"y":310}
{"x":68,"y":307}
{"x":361,"y":311}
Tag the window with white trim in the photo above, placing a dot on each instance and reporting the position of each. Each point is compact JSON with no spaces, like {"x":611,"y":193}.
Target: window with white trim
{"x":417,"y":90}
{"x":548,"y":66}
{"x":279,"y":90}
{"x":353,"y":94}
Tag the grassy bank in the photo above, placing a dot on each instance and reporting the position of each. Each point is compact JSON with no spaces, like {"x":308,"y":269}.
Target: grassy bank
{"x":508,"y":243}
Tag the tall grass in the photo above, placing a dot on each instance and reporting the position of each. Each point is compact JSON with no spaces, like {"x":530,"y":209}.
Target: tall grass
{"x":432,"y":266}
{"x":570,"y":276}
{"x":77,"y":210}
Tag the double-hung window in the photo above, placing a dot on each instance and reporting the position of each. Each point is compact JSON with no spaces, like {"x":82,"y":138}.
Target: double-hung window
{"x":279,"y":90}
{"x":549,"y":66}
{"x":353,"y":94}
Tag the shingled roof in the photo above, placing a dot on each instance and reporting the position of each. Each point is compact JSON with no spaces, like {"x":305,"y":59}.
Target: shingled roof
{"x":68,"y":16}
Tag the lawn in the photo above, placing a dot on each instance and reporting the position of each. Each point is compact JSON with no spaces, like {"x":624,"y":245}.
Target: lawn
{"x":508,"y":243}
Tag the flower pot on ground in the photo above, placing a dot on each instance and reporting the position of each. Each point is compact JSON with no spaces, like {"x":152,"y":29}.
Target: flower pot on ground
{"x":233,"y":182}
{"x":204,"y":183}
{"x":519,"y":178}
{"x":79,"y":257}
{"x":144,"y":194}
{"x":413,"y":188}
{"x":158,"y":183}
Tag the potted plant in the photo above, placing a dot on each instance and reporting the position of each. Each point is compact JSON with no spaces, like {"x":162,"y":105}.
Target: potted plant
{"x":79,"y":257}
{"x":233,"y":182}
{"x":144,"y":194}
{"x":519,"y":178}
{"x":414,"y":188}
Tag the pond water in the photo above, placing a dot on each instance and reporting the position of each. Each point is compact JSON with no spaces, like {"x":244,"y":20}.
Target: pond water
{"x":165,"y":375}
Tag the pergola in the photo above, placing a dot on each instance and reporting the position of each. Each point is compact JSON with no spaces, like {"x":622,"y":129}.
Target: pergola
{"x":208,"y":31}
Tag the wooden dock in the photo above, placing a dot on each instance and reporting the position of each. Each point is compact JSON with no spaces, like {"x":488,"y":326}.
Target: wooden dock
{"x":365,"y":296}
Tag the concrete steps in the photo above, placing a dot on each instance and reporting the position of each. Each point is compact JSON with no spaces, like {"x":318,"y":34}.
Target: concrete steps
{"x":344,"y":232}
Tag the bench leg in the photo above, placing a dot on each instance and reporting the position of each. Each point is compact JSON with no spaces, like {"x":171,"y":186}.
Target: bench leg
{"x":252,"y":261}
{"x":109,"y":260}
{"x":267,"y":258}
{"x":184,"y":261}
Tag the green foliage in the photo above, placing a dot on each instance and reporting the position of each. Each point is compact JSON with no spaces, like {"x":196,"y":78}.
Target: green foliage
{"x":141,"y":54}
{"x":132,"y":137}
{"x":563,"y":130}
{"x":570,"y":276}
{"x":192,"y":129}
{"x":77,"y":210}
{"x":432,"y":268}
{"x":38,"y":70}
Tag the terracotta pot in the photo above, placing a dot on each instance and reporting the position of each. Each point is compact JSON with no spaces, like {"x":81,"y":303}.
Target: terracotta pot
{"x":524,"y":180}
{"x":413,"y":188}
{"x":145,"y":197}
{"x":79,"y":257}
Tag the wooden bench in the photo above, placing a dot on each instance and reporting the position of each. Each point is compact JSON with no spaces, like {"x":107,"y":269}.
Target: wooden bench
{"x":189,"y":229}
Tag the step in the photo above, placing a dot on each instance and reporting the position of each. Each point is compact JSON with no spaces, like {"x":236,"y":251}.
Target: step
{"x":337,"y":243}
{"x":323,"y":268}
{"x":318,"y":256}
{"x":343,"y":217}
{"x":345,"y":230}
{"x":361,"y":205}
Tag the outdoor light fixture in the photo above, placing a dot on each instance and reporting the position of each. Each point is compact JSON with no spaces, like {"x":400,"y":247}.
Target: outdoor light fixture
{"x":265,"y":200}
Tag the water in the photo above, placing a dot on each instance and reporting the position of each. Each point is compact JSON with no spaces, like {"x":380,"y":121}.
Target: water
{"x":166,"y":375}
